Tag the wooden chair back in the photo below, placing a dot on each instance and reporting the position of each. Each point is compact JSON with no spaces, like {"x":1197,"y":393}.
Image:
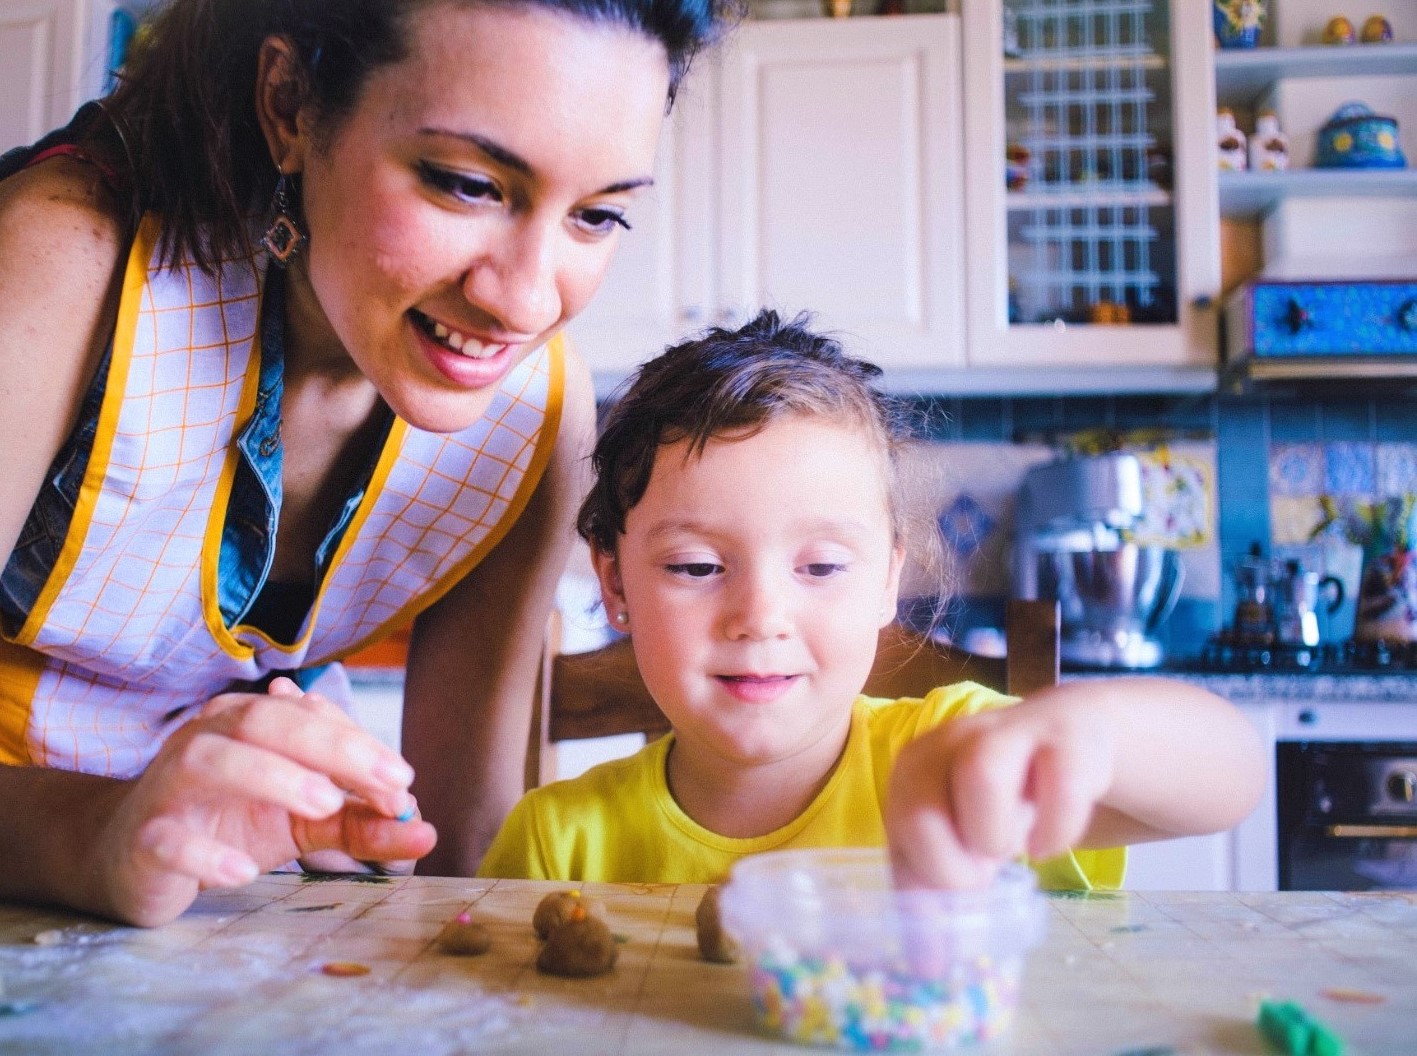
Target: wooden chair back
{"x":601,"y":694}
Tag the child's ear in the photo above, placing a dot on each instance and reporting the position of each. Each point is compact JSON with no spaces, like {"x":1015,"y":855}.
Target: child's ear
{"x":607,"y":570}
{"x":891,"y":599}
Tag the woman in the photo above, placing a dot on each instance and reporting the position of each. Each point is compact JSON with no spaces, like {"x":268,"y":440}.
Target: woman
{"x":278,"y":373}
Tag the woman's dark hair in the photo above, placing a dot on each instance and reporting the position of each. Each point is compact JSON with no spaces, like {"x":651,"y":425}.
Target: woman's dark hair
{"x":733,"y":383}
{"x":185,"y":105}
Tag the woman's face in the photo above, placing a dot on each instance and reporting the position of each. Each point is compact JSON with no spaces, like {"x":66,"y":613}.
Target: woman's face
{"x":469,"y":206}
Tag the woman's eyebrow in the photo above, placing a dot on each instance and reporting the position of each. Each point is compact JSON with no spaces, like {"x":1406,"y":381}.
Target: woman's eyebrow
{"x":511,"y":160}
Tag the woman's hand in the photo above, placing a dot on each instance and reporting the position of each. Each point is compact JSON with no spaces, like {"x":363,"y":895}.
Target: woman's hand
{"x":983,"y":789}
{"x":254,"y":781}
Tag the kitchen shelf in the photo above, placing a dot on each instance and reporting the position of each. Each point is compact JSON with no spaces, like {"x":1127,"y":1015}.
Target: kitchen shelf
{"x":1105,"y":60}
{"x":1243,"y":75}
{"x":1085,"y":196}
{"x":1248,"y":194}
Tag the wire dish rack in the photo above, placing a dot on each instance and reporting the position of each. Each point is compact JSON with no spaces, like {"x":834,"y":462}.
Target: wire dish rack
{"x":1088,"y":111}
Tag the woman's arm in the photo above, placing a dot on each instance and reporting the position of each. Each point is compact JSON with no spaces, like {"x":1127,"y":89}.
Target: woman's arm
{"x":475,"y":654}
{"x":62,"y":249}
{"x":255,"y":779}
{"x":1095,"y":763}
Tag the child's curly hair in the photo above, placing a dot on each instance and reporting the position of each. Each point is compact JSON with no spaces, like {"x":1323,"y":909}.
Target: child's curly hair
{"x":734,"y":383}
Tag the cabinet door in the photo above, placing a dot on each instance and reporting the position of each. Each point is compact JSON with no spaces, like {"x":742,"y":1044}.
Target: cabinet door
{"x":1092,"y":232}
{"x":46,"y":69}
{"x":840,"y":181}
{"x":661,"y":283}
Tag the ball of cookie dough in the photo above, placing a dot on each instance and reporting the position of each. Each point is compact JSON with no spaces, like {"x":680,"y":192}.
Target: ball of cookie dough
{"x":715,"y":944}
{"x":559,"y":907}
{"x":464,"y":937}
{"x":579,"y":947}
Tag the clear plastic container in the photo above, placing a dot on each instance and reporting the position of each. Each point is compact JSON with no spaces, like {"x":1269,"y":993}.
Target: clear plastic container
{"x":837,"y":956}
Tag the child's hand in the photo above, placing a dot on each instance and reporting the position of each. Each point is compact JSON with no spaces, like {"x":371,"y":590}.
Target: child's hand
{"x":984,"y":789}
{"x":254,"y":781}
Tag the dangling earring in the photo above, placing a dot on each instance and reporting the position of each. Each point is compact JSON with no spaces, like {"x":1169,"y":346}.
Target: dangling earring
{"x":283,"y":238}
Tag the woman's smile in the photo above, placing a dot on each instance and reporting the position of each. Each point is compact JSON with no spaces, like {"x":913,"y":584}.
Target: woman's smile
{"x":462,"y":359}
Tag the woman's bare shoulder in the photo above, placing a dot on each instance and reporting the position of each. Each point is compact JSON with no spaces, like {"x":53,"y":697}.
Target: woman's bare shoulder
{"x":60,"y":221}
{"x":61,"y":247}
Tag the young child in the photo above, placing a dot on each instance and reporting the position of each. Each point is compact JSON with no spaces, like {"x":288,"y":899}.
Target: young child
{"x":746,"y":528}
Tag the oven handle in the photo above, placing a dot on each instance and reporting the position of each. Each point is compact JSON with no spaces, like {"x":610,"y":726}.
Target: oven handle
{"x":1365,"y":832}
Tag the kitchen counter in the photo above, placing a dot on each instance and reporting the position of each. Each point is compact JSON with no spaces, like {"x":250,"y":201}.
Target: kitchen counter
{"x":1260,"y":686}
{"x":241,"y":972}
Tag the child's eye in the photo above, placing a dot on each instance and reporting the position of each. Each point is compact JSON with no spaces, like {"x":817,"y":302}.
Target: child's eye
{"x":601,"y":220}
{"x":694,"y":569}
{"x":462,"y":186}
{"x":823,"y":569}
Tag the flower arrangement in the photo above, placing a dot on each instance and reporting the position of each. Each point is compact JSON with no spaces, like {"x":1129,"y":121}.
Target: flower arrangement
{"x":1237,"y":22}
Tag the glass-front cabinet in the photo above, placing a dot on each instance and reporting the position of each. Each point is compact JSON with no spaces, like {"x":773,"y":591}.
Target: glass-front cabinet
{"x":1091,"y":236}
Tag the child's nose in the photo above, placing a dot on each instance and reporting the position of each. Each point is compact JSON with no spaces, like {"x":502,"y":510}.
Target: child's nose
{"x":761,"y":610}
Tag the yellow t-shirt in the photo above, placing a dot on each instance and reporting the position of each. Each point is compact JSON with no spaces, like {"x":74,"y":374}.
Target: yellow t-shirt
{"x":618,"y":821}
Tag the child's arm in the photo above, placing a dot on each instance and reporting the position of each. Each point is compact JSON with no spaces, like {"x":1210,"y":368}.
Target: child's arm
{"x":1087,"y":764}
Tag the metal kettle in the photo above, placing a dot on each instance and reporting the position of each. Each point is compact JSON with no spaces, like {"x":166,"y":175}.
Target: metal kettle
{"x":1298,"y":594}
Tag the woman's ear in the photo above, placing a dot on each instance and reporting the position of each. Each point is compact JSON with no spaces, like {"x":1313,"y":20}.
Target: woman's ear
{"x":612,"y":591}
{"x":280,"y":102}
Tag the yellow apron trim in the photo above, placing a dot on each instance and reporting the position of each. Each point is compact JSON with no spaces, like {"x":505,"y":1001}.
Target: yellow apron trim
{"x":134,"y":279}
{"x":388,"y":458}
{"x":216,"y":522}
{"x":20,"y":669}
{"x":540,"y":459}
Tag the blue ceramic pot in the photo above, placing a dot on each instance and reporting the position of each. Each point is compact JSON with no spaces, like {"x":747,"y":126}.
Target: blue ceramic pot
{"x":1356,"y":138}
{"x":1237,"y":22}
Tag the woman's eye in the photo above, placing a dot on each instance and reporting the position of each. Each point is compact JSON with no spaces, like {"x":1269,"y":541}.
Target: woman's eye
{"x":601,"y":221}
{"x":694,"y":569}
{"x":823,"y":569}
{"x":459,"y":185}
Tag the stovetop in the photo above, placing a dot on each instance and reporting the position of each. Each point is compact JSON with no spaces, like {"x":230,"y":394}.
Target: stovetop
{"x":1225,"y":653}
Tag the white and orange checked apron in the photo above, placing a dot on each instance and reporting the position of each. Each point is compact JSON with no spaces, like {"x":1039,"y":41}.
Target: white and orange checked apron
{"x":127,"y":629}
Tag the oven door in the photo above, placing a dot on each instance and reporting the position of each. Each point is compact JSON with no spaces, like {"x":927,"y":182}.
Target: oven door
{"x":1347,"y":815}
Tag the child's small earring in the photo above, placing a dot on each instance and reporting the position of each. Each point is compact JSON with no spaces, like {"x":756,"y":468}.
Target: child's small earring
{"x":622,"y":617}
{"x":283,"y":238}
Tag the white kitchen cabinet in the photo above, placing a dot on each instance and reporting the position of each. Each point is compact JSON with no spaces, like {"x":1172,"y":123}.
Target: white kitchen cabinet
{"x":812,"y":164}
{"x":1095,"y":245}
{"x":51,"y":60}
{"x":1239,"y":859}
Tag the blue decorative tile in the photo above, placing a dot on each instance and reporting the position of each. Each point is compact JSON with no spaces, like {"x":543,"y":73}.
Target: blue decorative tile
{"x":1350,"y":469}
{"x":1296,"y":469}
{"x":1397,"y":469}
{"x":965,"y":525}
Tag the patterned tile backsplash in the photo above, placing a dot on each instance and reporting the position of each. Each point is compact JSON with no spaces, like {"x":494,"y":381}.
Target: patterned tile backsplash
{"x":1302,"y":474}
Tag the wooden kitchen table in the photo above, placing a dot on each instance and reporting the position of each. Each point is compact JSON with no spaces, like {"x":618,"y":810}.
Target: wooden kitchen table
{"x":242,"y":972}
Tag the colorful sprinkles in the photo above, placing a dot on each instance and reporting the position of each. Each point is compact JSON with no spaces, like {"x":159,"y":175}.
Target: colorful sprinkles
{"x":826,"y":1000}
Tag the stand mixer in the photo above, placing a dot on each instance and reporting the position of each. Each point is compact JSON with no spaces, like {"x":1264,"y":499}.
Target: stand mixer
{"x":1073,"y":542}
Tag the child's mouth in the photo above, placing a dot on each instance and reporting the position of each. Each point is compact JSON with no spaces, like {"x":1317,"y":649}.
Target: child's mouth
{"x":757,"y":688}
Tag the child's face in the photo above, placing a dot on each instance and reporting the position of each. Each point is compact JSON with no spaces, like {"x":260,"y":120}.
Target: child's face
{"x":756,"y":579}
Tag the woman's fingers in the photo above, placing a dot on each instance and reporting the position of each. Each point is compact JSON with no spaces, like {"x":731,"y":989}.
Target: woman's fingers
{"x":240,"y":770}
{"x":365,"y":835}
{"x":317,"y":735}
{"x":173,"y":847}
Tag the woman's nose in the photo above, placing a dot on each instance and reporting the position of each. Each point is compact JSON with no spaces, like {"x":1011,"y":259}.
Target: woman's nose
{"x":761,"y":609}
{"x":515,"y":282}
